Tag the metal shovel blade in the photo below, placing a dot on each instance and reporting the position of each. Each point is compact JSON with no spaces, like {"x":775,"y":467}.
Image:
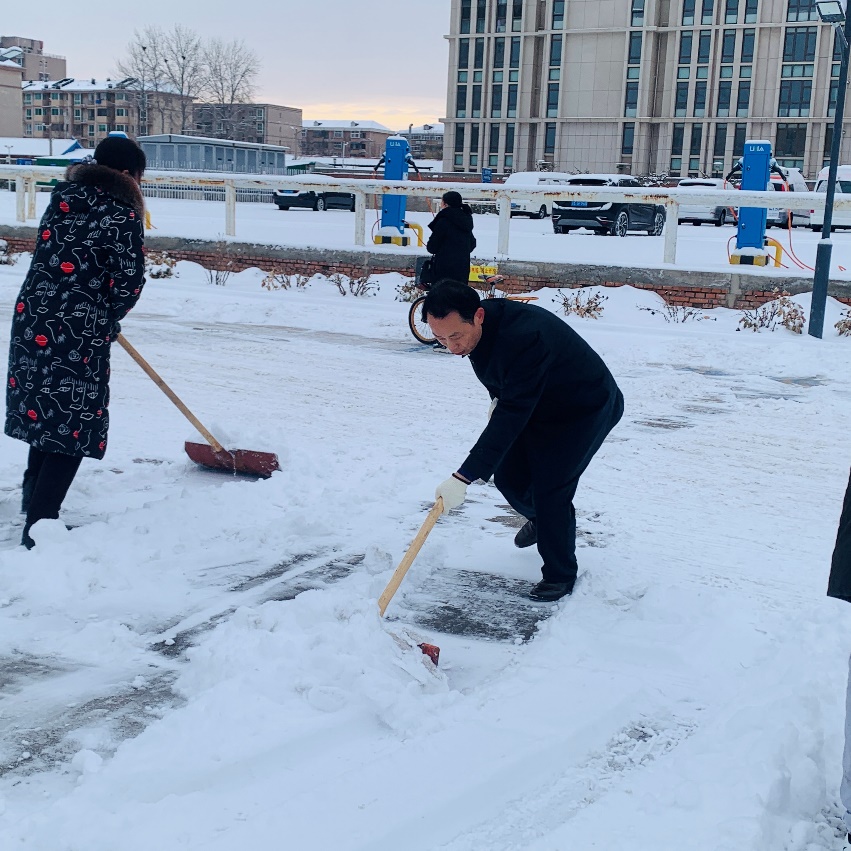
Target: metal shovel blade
{"x":245,"y":461}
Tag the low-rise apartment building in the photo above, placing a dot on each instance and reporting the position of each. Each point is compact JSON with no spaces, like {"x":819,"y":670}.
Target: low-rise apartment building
{"x":259,"y":123}
{"x":344,"y":139}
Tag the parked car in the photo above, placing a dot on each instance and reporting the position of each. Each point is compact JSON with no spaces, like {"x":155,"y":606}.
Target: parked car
{"x":841,"y":218}
{"x":613,"y":217}
{"x":288,"y":198}
{"x":779,"y":216}
{"x":697,"y":214}
{"x":534,"y":208}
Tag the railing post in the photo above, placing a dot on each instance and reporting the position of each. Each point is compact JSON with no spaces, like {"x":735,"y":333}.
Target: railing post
{"x":503,"y":203}
{"x":20,"y":199}
{"x":360,"y":218}
{"x":230,"y":209}
{"x":31,"y":213}
{"x":672,"y":209}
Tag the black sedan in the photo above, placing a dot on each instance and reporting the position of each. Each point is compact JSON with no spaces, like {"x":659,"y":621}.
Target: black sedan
{"x":287,"y":198}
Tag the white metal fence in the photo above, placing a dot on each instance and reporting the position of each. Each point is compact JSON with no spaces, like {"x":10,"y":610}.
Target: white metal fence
{"x":228,"y":188}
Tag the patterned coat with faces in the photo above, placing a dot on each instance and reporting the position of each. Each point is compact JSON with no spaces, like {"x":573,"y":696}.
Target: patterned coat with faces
{"x":87,"y":272}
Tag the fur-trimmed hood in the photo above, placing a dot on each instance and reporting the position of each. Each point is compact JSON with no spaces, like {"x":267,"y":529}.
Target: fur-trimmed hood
{"x":117,"y":185}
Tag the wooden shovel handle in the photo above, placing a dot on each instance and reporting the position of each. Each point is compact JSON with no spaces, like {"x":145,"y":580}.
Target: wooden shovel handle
{"x":154,"y":376}
{"x":408,"y":558}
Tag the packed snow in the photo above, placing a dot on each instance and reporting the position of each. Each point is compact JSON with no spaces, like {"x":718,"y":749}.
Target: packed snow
{"x":199,"y":663}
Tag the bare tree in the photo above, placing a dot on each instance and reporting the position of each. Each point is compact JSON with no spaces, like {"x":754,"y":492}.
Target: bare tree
{"x":182,"y":54}
{"x":144,"y":62}
{"x":231,"y":70}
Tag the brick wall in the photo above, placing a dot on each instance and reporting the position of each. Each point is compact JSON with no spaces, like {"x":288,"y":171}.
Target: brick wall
{"x":719,"y":289}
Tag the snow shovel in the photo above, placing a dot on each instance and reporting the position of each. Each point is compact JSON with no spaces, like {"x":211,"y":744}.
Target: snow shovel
{"x":430,"y":650}
{"x":214,"y":456}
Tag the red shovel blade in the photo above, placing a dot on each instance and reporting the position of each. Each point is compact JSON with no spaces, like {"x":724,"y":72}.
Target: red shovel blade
{"x":245,"y":461}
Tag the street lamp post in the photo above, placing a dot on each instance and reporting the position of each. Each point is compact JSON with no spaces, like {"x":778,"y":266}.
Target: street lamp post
{"x":830,"y":11}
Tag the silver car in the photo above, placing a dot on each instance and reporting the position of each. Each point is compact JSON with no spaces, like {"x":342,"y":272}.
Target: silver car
{"x":697,"y":214}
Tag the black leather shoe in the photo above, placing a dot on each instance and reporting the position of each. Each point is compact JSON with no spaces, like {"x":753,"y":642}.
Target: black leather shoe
{"x":527,"y":535}
{"x":548,"y":592}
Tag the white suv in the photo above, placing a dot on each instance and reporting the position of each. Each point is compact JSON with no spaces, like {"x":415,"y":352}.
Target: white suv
{"x":535,"y":208}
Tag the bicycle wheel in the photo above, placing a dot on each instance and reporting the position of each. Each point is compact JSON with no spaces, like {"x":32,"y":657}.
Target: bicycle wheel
{"x":420,"y":329}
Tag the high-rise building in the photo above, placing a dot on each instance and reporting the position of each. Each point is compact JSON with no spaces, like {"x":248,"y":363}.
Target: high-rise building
{"x":638,"y":86}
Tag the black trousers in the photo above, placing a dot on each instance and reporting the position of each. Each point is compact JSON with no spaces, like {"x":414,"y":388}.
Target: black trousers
{"x":539,"y":476}
{"x":46,"y":482}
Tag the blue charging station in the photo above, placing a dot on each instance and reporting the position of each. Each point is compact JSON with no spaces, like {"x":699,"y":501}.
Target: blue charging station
{"x":396,"y":161}
{"x":750,"y":239}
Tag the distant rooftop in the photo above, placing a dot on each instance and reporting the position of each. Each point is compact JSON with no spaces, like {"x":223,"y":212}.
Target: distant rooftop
{"x":345,"y":125}
{"x":72,"y":84}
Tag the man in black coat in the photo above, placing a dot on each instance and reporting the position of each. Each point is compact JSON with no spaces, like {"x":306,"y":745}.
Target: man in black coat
{"x":87,"y":272}
{"x":553,"y":403}
{"x":451,"y":241}
{"x":839,"y":586}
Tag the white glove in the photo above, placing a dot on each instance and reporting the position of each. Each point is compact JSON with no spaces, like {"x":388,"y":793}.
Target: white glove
{"x":453,"y":491}
{"x":491,"y":408}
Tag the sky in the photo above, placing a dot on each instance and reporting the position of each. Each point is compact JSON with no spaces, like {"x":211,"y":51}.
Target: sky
{"x":335,"y":59}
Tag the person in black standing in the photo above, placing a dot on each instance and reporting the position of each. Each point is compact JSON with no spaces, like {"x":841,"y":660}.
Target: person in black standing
{"x":839,"y":586}
{"x":86,"y":273}
{"x":553,"y":403}
{"x":451,"y":241}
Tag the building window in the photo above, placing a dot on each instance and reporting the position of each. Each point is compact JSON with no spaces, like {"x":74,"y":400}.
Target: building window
{"x":681,"y":100}
{"x":751,"y":11}
{"x":707,"y":12}
{"x":479,"y":53}
{"x":499,"y":53}
{"x":725,"y":93}
{"x":638,"y":13}
{"x":549,"y":139}
{"x":728,"y":46}
{"x":631,"y":100}
{"x":634,"y":52}
{"x":514,"y":57}
{"x":501,"y":15}
{"x":801,"y":10}
{"x":832,"y":94}
{"x":459,"y":138}
{"x":496,"y":101}
{"x":509,"y":138}
{"x":474,"y":139}
{"x":731,"y":12}
{"x":739,"y":138}
{"x":748,"y":38}
{"x":800,"y":44}
{"x":476,"y":105}
{"x":558,"y":14}
{"x":699,"y":99}
{"x":517,"y":16}
{"x":122,"y":112}
{"x":555,"y":52}
{"x":355,"y":134}
{"x":828,"y":145}
{"x":493,"y":140}
{"x":704,"y":43}
{"x":464,"y":53}
{"x":696,"y":140}
{"x":685,"y":47}
{"x":719,"y":149}
{"x":102,"y":128}
{"x":461,"y":102}
{"x":628,"y":139}
{"x":795,"y":96}
{"x":791,"y":141}
{"x":688,"y":13}
{"x":511,"y":108}
{"x":677,"y":140}
{"x":466,"y":8}
{"x":743,"y":100}
{"x":121,"y":127}
{"x":552,"y":100}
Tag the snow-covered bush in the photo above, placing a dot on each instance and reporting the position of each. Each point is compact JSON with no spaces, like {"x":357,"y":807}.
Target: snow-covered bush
{"x":278,"y":280}
{"x":782,"y":311}
{"x":158,"y":264}
{"x":844,"y":324}
{"x":408,"y":290}
{"x":677,"y":313}
{"x":582,"y":302}
{"x":360,"y":285}
{"x":7,"y":256}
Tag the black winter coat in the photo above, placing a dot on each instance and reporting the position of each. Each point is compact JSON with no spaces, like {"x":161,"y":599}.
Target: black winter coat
{"x":542,"y":372}
{"x":839,"y":584}
{"x":452,"y":242}
{"x":87,"y":272}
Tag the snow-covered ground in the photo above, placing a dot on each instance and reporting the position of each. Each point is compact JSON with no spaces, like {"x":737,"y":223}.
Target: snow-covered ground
{"x":698,"y":248}
{"x":199,"y":663}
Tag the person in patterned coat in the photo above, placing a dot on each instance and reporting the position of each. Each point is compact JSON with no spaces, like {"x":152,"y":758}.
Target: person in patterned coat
{"x":87,"y":272}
